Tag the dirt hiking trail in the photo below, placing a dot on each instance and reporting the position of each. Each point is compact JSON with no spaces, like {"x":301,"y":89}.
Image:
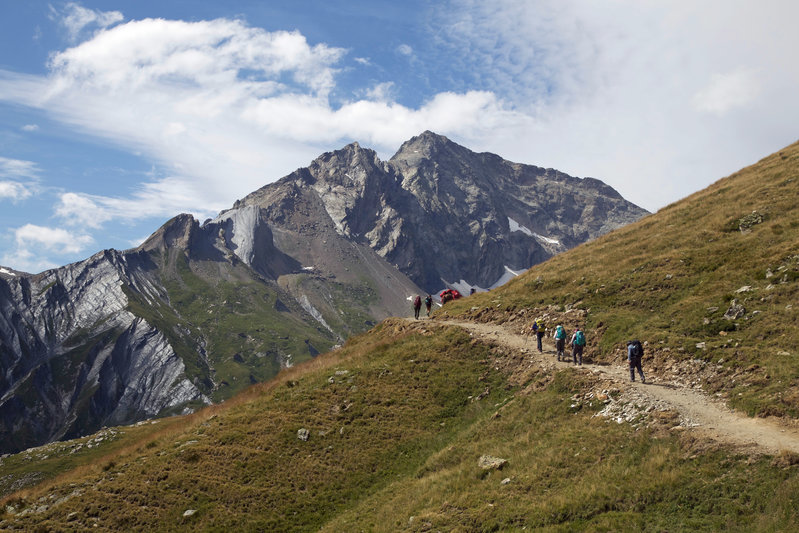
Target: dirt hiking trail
{"x":699,"y":412}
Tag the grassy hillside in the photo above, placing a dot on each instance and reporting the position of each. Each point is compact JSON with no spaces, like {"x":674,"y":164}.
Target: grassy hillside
{"x":397,"y":422}
{"x":670,"y":278}
{"x":398,"y":419}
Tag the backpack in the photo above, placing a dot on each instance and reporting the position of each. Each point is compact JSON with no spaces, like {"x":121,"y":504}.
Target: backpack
{"x":560,"y":333}
{"x":428,"y":301}
{"x":579,"y":338}
{"x":417,"y":302}
{"x":638,"y":350}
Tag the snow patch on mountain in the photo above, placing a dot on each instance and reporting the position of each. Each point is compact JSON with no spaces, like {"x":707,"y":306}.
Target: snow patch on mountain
{"x":515,"y":226}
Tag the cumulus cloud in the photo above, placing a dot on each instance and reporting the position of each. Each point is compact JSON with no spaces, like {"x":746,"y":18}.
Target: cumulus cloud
{"x":13,"y":191}
{"x":34,"y":244}
{"x":74,"y":18}
{"x":221,"y":107}
{"x":56,"y":240}
{"x":81,"y":210}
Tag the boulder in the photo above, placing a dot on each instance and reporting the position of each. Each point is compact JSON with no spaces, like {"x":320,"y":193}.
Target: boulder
{"x":489,"y":462}
{"x":735,"y":311}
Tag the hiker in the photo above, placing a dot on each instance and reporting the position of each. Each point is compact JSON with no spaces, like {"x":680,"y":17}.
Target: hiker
{"x":539,"y":329}
{"x":417,"y":305}
{"x":560,"y":341}
{"x":635,"y":352}
{"x":472,"y":291}
{"x":578,"y":343}
{"x":428,"y":303}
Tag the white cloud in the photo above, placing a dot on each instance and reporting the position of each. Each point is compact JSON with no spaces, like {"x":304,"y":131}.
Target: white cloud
{"x":17,"y":168}
{"x":55,"y":240}
{"x":75,"y":18}
{"x":405,"y":49}
{"x":13,"y":191}
{"x":382,"y":92}
{"x":30,"y":127}
{"x":629,"y":92}
{"x":622,"y":91}
{"x":26,"y":260}
{"x":18,"y":179}
{"x":222,"y":107}
{"x":81,"y":210}
{"x":728,"y":91}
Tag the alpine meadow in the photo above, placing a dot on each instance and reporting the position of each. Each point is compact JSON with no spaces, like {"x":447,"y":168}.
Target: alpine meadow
{"x":458,"y":424}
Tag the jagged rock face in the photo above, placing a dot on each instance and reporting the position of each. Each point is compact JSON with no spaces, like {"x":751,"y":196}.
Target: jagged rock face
{"x":198,"y":312}
{"x":178,"y":322}
{"x":441,"y":213}
{"x":73,"y":358}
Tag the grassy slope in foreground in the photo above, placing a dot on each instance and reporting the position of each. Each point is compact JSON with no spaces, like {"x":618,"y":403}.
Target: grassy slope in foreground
{"x":396,"y":431}
{"x":670,"y":278}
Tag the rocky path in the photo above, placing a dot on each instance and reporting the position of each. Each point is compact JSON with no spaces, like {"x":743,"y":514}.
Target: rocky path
{"x":697,"y":410}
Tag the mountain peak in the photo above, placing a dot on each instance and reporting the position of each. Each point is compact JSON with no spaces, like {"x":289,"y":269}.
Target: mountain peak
{"x":424,"y":146}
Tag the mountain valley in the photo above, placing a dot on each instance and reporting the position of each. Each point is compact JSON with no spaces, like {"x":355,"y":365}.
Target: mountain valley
{"x":199,"y":312}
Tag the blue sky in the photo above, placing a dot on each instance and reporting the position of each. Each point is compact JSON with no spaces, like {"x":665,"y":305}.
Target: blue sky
{"x":116,"y":116}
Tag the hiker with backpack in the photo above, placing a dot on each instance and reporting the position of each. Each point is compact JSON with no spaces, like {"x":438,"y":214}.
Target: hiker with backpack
{"x":635,"y":352}
{"x":428,"y":303}
{"x":578,"y":343}
{"x":417,"y":305}
{"x":539,"y":329}
{"x":560,"y":341}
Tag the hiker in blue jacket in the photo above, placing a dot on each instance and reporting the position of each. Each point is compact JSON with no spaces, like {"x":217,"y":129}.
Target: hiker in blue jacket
{"x":560,"y":341}
{"x":578,"y":343}
{"x":635,"y":352}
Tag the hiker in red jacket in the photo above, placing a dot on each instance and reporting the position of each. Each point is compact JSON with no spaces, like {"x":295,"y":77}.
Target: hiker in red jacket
{"x":417,"y":305}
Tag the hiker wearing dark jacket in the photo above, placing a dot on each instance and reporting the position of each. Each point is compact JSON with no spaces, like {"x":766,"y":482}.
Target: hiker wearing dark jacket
{"x":560,"y":341}
{"x":428,"y":303}
{"x":634,"y":354}
{"x":578,"y":343}
{"x":417,"y":305}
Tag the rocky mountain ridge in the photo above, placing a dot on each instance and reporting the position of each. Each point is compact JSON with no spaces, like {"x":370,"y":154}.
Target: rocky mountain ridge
{"x":200,"y":311}
{"x":447,"y":216}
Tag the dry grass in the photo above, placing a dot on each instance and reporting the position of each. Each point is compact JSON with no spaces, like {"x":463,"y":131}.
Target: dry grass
{"x":669,"y":279}
{"x":395,"y":435}
{"x":396,"y":430}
